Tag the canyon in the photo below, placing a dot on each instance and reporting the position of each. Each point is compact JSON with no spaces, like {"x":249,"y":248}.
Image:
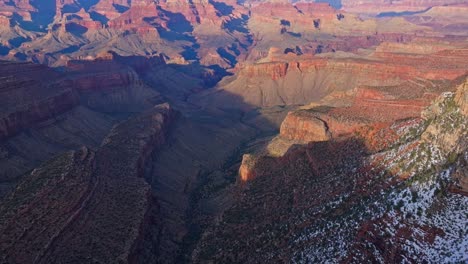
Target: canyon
{"x":200,"y":131}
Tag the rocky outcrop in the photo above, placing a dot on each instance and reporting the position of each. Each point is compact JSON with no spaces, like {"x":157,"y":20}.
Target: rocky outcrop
{"x":302,"y":127}
{"x":247,"y":168}
{"x":107,"y":207}
{"x":134,"y":19}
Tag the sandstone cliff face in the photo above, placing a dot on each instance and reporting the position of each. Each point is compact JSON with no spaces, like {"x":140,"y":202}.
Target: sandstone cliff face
{"x":287,"y":80}
{"x":134,"y":19}
{"x":108,"y":206}
{"x":38,"y":111}
{"x":112,"y":84}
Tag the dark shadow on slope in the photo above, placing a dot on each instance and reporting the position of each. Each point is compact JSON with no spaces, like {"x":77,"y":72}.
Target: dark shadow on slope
{"x":227,"y":56}
{"x":87,"y":4}
{"x":294,"y":34}
{"x":222,"y":8}
{"x":98,"y":17}
{"x":120,"y":8}
{"x":43,"y":17}
{"x":190,"y":52}
{"x":176,"y":22}
{"x":16,"y":42}
{"x":4,"y":50}
{"x":76,"y":29}
{"x":178,"y":29}
{"x":70,"y":9}
{"x":69,"y":49}
{"x":284,"y":22}
{"x":237,"y":24}
{"x":404,"y":13}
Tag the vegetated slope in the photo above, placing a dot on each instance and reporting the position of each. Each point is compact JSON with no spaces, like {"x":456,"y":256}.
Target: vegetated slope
{"x":347,"y":199}
{"x":86,"y":206}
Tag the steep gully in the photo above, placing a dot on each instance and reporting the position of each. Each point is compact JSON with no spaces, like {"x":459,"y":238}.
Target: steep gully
{"x":192,"y":175}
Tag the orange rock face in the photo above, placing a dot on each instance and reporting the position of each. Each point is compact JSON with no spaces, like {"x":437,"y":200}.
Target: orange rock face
{"x":247,"y":168}
{"x":303,"y":127}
